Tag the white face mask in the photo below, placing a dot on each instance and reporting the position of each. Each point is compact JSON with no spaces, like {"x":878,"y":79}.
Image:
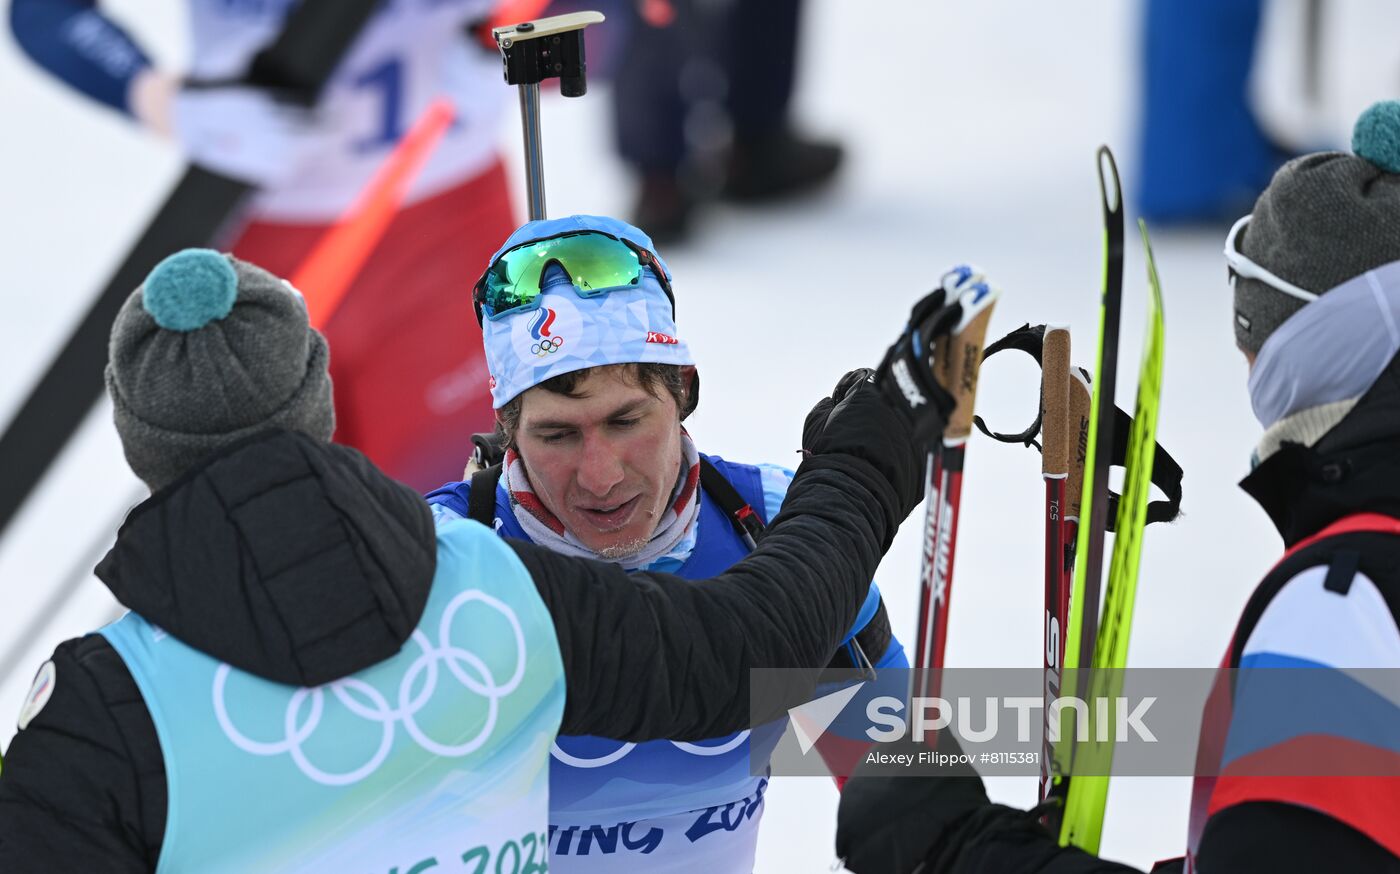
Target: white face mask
{"x":1332,"y":349}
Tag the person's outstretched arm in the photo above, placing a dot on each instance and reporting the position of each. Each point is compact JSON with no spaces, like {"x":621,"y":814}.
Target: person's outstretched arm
{"x":76,"y":43}
{"x":650,"y":656}
{"x":239,"y":130}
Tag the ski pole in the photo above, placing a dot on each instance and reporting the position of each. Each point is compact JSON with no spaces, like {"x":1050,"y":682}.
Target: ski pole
{"x":533,"y":51}
{"x":956,"y":365}
{"x":1054,"y":469}
{"x":923,"y":642}
{"x":1079,"y":401}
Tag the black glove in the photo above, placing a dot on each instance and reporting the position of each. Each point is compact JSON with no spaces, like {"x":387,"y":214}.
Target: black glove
{"x":890,"y":417}
{"x":815,"y":425}
{"x":891,"y":822}
{"x":999,"y":838}
{"x":905,"y":377}
{"x":894,"y":823}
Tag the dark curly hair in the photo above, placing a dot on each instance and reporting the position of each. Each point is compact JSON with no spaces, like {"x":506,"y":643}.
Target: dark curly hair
{"x":654,"y":378}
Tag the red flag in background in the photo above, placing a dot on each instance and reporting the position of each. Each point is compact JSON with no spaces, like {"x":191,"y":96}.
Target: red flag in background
{"x":327,"y":273}
{"x":390,"y":287}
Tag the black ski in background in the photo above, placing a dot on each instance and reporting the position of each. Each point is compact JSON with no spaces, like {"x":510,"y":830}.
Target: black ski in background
{"x":297,"y":65}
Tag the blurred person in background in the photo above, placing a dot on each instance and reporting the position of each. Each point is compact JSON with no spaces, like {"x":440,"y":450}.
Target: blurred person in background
{"x":702,"y":105}
{"x":1298,"y":772}
{"x":1232,"y":89}
{"x":405,"y":385}
{"x":1204,"y":154}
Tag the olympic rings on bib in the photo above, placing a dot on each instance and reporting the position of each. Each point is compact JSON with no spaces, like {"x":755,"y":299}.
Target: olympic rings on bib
{"x":368,"y":703}
{"x":621,"y":752}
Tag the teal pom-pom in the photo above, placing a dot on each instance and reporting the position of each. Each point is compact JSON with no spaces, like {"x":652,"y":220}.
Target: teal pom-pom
{"x":1377,"y":135}
{"x":190,"y":289}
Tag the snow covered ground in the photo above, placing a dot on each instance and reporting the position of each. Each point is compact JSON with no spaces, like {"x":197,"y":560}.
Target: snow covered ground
{"x":972,"y":130}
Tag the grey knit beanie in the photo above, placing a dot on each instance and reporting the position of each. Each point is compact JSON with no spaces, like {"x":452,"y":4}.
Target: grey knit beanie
{"x":1324,"y":219}
{"x":207,"y":351}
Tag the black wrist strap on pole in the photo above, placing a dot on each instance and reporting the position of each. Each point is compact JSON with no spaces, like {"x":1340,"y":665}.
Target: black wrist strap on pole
{"x":1166,"y":472}
{"x":1030,"y":340}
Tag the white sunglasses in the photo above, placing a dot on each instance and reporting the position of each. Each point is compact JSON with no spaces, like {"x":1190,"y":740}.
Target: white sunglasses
{"x":1242,"y":266}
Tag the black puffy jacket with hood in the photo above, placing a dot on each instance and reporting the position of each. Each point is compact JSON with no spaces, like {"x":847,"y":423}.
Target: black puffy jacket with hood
{"x":332,"y":576}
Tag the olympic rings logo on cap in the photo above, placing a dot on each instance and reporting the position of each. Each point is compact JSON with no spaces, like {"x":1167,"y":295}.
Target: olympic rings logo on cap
{"x":368,"y":703}
{"x":546,"y":342}
{"x":547,"y":347}
{"x":621,"y":752}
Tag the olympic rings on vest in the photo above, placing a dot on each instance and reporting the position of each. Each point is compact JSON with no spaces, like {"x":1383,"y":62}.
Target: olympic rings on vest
{"x":368,"y":703}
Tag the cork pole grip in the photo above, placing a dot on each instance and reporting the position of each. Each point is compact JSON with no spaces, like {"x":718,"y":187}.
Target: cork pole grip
{"x":955,"y":366}
{"x":1079,"y":407}
{"x":1054,"y":402}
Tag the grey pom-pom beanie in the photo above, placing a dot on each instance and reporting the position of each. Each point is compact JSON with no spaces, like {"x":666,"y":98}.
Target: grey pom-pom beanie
{"x":207,"y":351}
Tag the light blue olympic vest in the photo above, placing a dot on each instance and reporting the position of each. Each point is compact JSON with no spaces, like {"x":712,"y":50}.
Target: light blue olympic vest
{"x":435,"y":757}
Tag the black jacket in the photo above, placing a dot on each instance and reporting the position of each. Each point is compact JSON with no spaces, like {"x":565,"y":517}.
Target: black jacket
{"x":300,"y":562}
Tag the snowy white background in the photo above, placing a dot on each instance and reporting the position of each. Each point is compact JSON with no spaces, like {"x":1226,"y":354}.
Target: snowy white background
{"x":971,"y":140}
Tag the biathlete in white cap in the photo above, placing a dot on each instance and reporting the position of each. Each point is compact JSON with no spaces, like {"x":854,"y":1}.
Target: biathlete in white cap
{"x":592,"y":381}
